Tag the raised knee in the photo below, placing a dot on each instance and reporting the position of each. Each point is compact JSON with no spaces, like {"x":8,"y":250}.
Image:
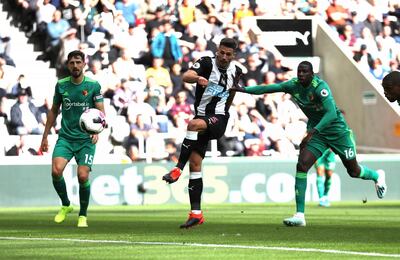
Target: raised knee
{"x":192,"y":125}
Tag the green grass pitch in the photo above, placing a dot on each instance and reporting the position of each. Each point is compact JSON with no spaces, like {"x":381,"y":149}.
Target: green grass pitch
{"x":350,"y":230}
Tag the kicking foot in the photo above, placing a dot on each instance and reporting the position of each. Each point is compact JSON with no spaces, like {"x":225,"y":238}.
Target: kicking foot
{"x":380,"y":184}
{"x":82,"y":221}
{"x":62,"y":214}
{"x":297,"y":220}
{"x":173,"y":175}
{"x":193,"y":220}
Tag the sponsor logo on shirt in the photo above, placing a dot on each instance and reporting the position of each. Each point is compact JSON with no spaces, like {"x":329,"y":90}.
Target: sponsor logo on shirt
{"x":216,"y":91}
{"x":68,"y":104}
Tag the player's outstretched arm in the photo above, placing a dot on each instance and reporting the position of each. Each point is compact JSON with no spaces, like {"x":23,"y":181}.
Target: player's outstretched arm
{"x":259,"y":89}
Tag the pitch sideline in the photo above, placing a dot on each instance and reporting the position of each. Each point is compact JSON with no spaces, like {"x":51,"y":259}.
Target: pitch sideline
{"x":329,"y":251}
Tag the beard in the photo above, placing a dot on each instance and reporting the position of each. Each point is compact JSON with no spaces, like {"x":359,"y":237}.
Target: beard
{"x":76,"y":73}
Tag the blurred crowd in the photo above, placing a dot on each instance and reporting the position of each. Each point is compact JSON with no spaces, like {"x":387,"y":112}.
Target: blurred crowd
{"x":139,"y":49}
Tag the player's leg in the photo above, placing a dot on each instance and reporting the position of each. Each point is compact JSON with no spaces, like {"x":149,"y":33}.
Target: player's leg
{"x":305,"y":161}
{"x":345,"y":148}
{"x":62,"y":153}
{"x":57,"y":168}
{"x":84,"y":194}
{"x":84,"y":158}
{"x":320,"y":170}
{"x":330,"y":164}
{"x":215,"y":129}
{"x":355,"y":170}
{"x":195,"y":188}
{"x":194,"y":127}
{"x":328,"y":181}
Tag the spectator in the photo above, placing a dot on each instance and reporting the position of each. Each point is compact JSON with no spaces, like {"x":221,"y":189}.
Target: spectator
{"x":186,"y":13}
{"x":26,"y":14}
{"x":176,"y":78}
{"x":128,"y":9}
{"x":206,"y":7}
{"x":66,"y":9}
{"x":180,"y":112}
{"x":82,"y":25}
{"x":165,"y":45}
{"x":363,"y":58}
{"x":348,"y":37}
{"x":172,"y":151}
{"x":138,"y":106}
{"x":200,"y":49}
{"x":336,"y":15}
{"x":230,"y":144}
{"x":253,"y":65}
{"x":156,"y":96}
{"x":394,"y":23}
{"x":122,"y":96}
{"x":378,"y":70}
{"x":44,"y":14}
{"x":373,"y":25}
{"x":138,"y":35}
{"x":25,"y":117}
{"x":125,"y":68}
{"x":20,"y":148}
{"x":356,"y":23}
{"x":242,"y":12}
{"x":56,"y":30}
{"x":225,"y":14}
{"x":243,"y":50}
{"x":103,"y":55}
{"x":106,"y":80}
{"x":160,"y":74}
{"x":21,"y":84}
{"x":156,"y":21}
{"x":8,"y":76}
{"x":140,"y":131}
{"x":368,"y":40}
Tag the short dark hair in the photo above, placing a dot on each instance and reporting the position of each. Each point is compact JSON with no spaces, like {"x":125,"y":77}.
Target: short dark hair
{"x":76,"y":53}
{"x":393,"y":78}
{"x":308,"y":64}
{"x":229,"y":42}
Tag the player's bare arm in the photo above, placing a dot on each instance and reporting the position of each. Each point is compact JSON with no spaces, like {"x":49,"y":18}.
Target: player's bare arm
{"x":191,"y":76}
{"x":51,"y":118}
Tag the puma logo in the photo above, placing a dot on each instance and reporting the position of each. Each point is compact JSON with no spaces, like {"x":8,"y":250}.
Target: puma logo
{"x":186,"y":146}
{"x":285,"y":38}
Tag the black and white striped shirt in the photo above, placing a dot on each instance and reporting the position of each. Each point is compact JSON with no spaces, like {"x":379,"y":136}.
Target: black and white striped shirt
{"x":215,"y":98}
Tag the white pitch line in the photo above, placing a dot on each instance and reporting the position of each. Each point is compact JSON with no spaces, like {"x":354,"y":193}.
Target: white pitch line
{"x":276,"y":248}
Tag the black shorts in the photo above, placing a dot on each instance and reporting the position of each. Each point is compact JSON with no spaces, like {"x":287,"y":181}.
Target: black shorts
{"x":216,"y":126}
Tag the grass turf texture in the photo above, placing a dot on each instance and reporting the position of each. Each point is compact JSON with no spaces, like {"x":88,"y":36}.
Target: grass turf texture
{"x":371,"y":227}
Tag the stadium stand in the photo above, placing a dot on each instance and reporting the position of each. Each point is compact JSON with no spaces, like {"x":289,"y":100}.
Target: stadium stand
{"x":129,"y":44}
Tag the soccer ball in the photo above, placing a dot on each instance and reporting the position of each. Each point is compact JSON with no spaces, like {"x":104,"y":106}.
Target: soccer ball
{"x":92,"y":121}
